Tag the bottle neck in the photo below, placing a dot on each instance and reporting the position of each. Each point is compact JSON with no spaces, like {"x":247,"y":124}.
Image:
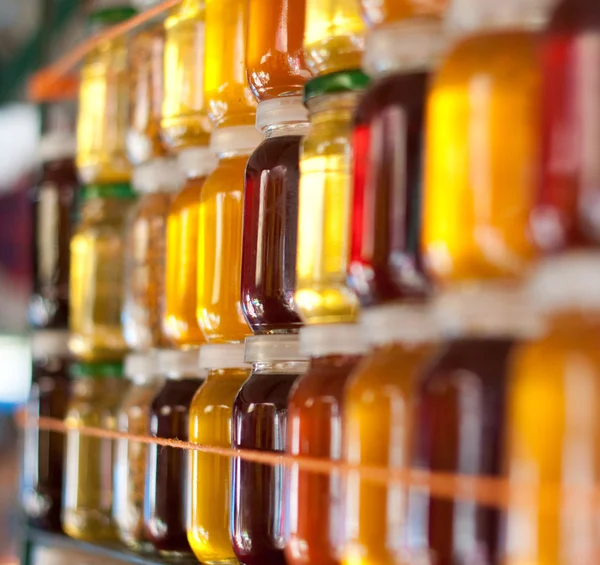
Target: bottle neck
{"x":289,"y":128}
{"x":336,"y":360}
{"x":332,"y":107}
{"x":234,"y":373}
{"x":285,"y":367}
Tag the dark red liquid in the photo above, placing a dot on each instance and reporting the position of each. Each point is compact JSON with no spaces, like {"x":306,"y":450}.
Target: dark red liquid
{"x":460,"y":427}
{"x":166,"y":497}
{"x":53,"y":201}
{"x":269,"y":240}
{"x":259,"y":422}
{"x":568,"y":212}
{"x":385,"y":255}
{"x":44,"y":450}
{"x":316,"y":510}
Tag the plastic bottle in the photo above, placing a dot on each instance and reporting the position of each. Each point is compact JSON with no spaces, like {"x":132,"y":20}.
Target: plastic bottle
{"x":210,"y":424}
{"x":377,"y":12}
{"x":179,"y":322}
{"x":218,"y":304}
{"x":322,"y":295}
{"x":271,"y":218}
{"x":146,"y":253}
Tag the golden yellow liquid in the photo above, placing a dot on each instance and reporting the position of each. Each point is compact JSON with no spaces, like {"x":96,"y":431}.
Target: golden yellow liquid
{"x":180,"y":323}
{"x":210,"y":424}
{"x":96,"y":280}
{"x":554,"y":441}
{"x":228,"y":97}
{"x":482,"y":152}
{"x":88,"y":486}
{"x":378,"y":425}
{"x":184,"y":119}
{"x":333,"y":35}
{"x":103,"y":115}
{"x":325,"y":193}
{"x":378,"y":11}
{"x":218,"y":304}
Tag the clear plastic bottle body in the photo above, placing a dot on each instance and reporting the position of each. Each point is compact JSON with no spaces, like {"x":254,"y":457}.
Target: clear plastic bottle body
{"x":218,"y":304}
{"x":145,"y":271}
{"x":322,"y":295}
{"x":185,"y":121}
{"x":229,"y":100}
{"x":333,"y":36}
{"x":96,"y":279}
{"x":210,"y":424}
{"x":479,"y":189}
{"x":88,"y":483}
{"x":274,"y":56}
{"x":103,"y":115}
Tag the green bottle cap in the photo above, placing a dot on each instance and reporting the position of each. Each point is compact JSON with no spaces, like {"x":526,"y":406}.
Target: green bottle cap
{"x":110,"y":16}
{"x":98,"y":370}
{"x":117,"y":190}
{"x":342,"y":81}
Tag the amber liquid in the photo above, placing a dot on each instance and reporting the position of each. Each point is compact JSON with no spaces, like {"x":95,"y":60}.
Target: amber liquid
{"x":377,"y":11}
{"x":179,"y":323}
{"x":460,"y":428}
{"x":269,"y":236}
{"x":274,"y":56}
{"x":385,"y":248}
{"x":479,"y":189}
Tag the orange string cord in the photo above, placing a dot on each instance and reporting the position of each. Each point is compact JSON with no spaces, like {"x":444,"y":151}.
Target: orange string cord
{"x":487,"y":491}
{"x":57,"y":82}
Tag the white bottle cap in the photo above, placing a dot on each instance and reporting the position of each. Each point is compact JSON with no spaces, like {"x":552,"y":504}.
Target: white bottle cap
{"x":273,"y":348}
{"x":222,"y":356}
{"x":285,"y":110}
{"x":197,"y":161}
{"x":177,"y":364}
{"x":332,"y":339}
{"x":236,"y":139}
{"x":50,"y":343}
{"x":158,"y":175}
{"x":141,"y":367}
{"x":57,"y":145}
{"x":415,"y":44}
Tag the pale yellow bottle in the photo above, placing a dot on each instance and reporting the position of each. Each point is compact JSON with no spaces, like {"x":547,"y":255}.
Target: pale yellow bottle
{"x":184,"y":119}
{"x":210,"y":424}
{"x":102,"y":121}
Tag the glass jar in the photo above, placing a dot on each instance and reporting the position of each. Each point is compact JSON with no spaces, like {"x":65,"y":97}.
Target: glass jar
{"x":145,"y":253}
{"x":53,"y":203}
{"x":378,"y":426}
{"x":377,"y":12}
{"x":271,"y":218}
{"x":259,"y":422}
{"x":104,"y":104}
{"x":185,"y":121}
{"x":316,"y":513}
{"x":167,"y":474}
{"x":322,"y":295}
{"x":146,"y":71}
{"x":133,"y":417}
{"x":218,"y":302}
{"x":210,"y":424}
{"x":385,"y":245}
{"x":333,"y":36}
{"x":274,"y":57}
{"x":228,"y":97}
{"x":43,"y":450}
{"x":96,"y":282}
{"x":96,"y":392}
{"x":180,"y":325}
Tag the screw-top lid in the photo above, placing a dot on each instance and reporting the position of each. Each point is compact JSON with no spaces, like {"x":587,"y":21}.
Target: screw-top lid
{"x":236,"y":139}
{"x":197,"y":161}
{"x":273,"y":348}
{"x":284,"y":110}
{"x":399,"y":323}
{"x":222,"y":356}
{"x":117,"y":190}
{"x":158,"y":175}
{"x":332,"y":339}
{"x":414,"y":44}
{"x":110,"y":13}
{"x":177,"y":364}
{"x":97,"y":370}
{"x":57,"y":145}
{"x":141,"y":367}
{"x":342,"y":81}
{"x":50,"y":343}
